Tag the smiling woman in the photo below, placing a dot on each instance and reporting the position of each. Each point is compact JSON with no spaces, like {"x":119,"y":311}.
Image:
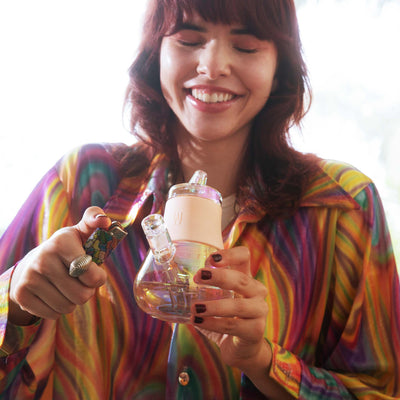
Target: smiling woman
{"x":64,"y":105}
{"x":216,"y":86}
{"x":214,"y":53}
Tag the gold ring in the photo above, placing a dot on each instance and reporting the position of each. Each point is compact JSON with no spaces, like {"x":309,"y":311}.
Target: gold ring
{"x":80,"y":265}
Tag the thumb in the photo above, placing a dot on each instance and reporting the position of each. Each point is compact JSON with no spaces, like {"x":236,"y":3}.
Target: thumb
{"x":93,"y":218}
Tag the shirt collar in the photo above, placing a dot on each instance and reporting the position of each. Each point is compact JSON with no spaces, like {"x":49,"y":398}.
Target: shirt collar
{"x":133,"y":192}
{"x":323,"y":191}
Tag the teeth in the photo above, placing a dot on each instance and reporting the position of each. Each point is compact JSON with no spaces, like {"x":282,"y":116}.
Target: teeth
{"x":211,"y":98}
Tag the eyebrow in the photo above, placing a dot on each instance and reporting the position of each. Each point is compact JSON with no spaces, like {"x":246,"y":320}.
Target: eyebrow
{"x":197,"y":28}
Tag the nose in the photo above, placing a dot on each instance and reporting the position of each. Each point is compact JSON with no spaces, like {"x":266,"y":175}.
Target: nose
{"x":214,"y":61}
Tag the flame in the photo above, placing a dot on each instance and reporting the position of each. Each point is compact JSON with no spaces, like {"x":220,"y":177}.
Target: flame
{"x":130,"y":219}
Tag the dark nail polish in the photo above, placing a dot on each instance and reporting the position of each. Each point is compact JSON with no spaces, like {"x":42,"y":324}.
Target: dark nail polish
{"x":205,"y":275}
{"x":198,"y":320}
{"x":200,"y":308}
{"x":217,"y":257}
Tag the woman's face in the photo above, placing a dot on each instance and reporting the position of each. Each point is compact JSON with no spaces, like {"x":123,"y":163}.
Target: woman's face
{"x":216,"y":78}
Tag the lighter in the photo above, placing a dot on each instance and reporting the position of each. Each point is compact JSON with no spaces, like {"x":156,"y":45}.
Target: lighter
{"x":102,"y":242}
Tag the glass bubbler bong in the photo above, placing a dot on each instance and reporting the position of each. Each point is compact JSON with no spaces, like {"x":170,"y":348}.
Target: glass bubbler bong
{"x":179,"y":244}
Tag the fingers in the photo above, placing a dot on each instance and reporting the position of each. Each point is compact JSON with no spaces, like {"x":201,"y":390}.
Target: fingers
{"x":235,"y":308}
{"x":93,"y":277}
{"x":92,"y":219}
{"x":236,"y":258}
{"x":239,"y":316}
{"x":66,"y":245}
{"x":243,"y":316}
{"x":41,"y":284}
{"x":232,"y":273}
{"x":224,"y":278}
{"x":250,"y":331}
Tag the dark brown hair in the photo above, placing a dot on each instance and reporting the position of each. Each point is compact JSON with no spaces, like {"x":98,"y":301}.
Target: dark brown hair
{"x":272,"y":170}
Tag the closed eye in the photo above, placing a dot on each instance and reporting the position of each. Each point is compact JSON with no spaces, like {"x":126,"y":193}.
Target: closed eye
{"x":244,"y":50}
{"x":188,"y":44}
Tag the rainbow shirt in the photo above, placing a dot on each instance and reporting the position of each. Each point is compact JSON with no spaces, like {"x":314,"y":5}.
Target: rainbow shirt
{"x":333,"y":296}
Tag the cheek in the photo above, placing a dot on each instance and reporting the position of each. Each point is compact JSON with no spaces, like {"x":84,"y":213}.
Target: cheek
{"x":166,"y":73}
{"x":172,"y":72}
{"x":165,"y":63}
{"x":261,"y":80}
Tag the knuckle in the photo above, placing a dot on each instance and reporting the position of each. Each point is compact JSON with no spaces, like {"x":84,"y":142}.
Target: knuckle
{"x":39,"y":264}
{"x":28,"y":282}
{"x":21,"y":297}
{"x":64,"y":309}
{"x":92,"y":282}
{"x":57,"y":239}
{"x":84,"y":296}
{"x":69,"y":309}
{"x":263,"y":291}
{"x":240,"y":307}
{"x":246,"y":252}
{"x":53,"y":315}
{"x":259,"y":328}
{"x":244,"y":280}
{"x":230,"y":325}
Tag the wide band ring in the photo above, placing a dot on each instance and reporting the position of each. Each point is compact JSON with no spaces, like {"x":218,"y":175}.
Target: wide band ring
{"x":80,"y":265}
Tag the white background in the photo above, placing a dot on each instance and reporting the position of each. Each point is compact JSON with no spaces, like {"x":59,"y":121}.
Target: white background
{"x":63,"y":74}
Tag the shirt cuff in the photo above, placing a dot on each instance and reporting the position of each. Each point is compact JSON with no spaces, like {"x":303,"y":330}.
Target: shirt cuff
{"x":12,"y":338}
{"x":285,"y":369}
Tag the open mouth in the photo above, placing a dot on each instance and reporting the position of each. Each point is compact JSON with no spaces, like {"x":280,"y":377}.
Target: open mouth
{"x":211,"y":98}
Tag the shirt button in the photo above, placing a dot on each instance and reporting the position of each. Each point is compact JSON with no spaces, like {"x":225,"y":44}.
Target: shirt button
{"x":183,"y":378}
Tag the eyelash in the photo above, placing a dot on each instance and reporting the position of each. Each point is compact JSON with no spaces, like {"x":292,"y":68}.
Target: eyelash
{"x":240,"y":49}
{"x":247,"y":51}
{"x":188,"y":44}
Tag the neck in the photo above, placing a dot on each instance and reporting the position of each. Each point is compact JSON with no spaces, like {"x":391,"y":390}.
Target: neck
{"x":220,"y":159}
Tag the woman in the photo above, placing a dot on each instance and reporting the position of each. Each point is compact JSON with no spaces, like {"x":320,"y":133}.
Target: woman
{"x":215,"y":86}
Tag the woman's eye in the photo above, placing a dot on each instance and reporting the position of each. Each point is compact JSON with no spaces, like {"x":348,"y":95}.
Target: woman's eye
{"x":246,"y":50}
{"x":188,"y":44}
{"x":246,"y":44}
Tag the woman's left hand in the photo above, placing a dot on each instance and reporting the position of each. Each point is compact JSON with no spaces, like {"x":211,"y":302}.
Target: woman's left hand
{"x":237,"y":324}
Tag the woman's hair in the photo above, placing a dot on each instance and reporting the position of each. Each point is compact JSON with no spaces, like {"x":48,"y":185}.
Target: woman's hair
{"x":275,"y":173}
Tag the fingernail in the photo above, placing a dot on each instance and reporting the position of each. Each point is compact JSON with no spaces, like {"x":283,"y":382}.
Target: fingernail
{"x":200,"y":308}
{"x":217,"y":257}
{"x":101,"y":216}
{"x":198,"y":320}
{"x":205,"y":274}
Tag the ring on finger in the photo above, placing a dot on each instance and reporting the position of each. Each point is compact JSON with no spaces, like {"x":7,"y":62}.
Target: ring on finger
{"x":79,"y":265}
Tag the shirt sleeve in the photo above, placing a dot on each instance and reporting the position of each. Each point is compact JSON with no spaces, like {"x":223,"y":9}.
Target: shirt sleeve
{"x":361,"y":343}
{"x":14,"y":338}
{"x":35,"y":222}
{"x":85,"y":176}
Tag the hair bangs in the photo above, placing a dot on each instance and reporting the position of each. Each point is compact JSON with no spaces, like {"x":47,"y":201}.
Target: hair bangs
{"x":252,"y":14}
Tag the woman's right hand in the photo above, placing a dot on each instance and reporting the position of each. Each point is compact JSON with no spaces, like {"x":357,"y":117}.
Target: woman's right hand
{"x":41,"y":285}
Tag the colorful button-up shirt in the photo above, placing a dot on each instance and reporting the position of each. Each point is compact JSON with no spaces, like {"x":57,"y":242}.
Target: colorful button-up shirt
{"x":333,"y":296}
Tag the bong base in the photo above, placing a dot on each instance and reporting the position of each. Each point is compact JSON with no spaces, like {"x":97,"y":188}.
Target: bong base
{"x":172,"y":302}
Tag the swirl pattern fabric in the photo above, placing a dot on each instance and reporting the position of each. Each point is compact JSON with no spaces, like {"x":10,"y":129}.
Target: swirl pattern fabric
{"x":333,"y":296}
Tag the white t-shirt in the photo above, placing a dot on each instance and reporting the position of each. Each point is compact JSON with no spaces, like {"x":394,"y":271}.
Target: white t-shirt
{"x":228,"y":210}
